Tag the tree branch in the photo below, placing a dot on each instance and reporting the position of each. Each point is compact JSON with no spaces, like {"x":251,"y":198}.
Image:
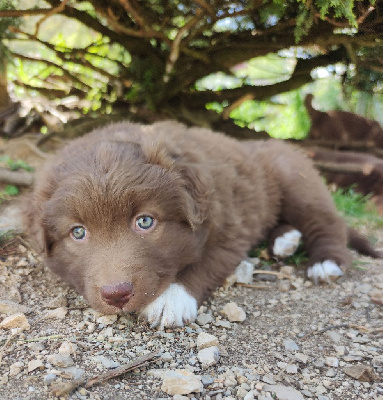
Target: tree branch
{"x":68,"y":74}
{"x":22,"y":13}
{"x":19,"y":178}
{"x":132,"y":44}
{"x":344,"y":168}
{"x":300,"y":76}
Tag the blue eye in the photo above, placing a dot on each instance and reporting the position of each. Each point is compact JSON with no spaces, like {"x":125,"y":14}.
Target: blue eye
{"x":144,"y":222}
{"x":78,"y":232}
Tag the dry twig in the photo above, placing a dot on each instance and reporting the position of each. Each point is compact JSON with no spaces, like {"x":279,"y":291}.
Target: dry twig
{"x":63,"y":389}
{"x":248,"y":285}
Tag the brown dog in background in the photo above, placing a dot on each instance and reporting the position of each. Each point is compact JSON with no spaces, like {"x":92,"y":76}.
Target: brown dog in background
{"x":150,"y":219}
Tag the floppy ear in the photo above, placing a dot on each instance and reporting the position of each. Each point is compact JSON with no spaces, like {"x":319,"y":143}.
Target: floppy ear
{"x":194,"y":181}
{"x":33,"y":212}
{"x":33,"y":223}
{"x":196,"y":189}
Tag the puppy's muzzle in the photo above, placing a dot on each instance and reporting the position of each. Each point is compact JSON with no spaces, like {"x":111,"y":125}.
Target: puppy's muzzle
{"x":117,"y":295}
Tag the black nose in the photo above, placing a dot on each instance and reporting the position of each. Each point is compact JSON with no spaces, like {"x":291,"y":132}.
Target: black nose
{"x":117,"y":295}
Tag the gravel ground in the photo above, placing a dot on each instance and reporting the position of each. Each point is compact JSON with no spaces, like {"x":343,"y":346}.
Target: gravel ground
{"x":297,"y":341}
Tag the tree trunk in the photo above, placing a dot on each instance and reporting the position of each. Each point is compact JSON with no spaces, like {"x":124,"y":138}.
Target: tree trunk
{"x":5,"y":100}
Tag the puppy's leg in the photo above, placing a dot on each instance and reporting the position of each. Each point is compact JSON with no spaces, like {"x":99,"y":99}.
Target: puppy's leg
{"x":284,"y":241}
{"x":307,"y":205}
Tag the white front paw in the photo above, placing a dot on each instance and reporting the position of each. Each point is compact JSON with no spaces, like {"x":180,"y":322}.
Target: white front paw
{"x":327,"y":271}
{"x":174,"y":307}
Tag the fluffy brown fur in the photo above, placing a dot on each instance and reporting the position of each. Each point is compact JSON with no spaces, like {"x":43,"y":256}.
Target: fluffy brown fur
{"x":212,"y":198}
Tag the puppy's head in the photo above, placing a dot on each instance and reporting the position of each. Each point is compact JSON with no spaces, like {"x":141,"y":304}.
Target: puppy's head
{"x":118,"y":221}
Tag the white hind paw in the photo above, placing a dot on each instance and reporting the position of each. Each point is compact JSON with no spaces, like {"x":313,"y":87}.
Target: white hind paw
{"x":287,"y":244}
{"x":327,"y":271}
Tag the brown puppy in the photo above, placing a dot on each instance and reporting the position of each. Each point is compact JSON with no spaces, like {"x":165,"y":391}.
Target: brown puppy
{"x":151,"y":219}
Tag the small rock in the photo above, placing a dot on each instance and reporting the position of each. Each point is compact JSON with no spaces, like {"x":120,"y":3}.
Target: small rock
{"x":223,"y":324}
{"x":331,"y":373}
{"x":106,"y":362}
{"x":208,"y":356}
{"x":180,"y":397}
{"x":362,"y":373}
{"x":206,"y":340}
{"x":60,"y":360}
{"x":284,"y":285}
{"x":241,"y":393}
{"x":35,"y":364}
{"x":18,"y":320}
{"x":157,"y":373}
{"x":287,"y":270}
{"x":49,"y":378}
{"x":233,"y":312}
{"x":207,"y":380}
{"x":284,"y":392}
{"x":334,"y":336}
{"x":361,"y":339}
{"x":377,"y":361}
{"x":268,"y":379}
{"x":244,"y":272}
{"x":167,"y":357}
{"x":68,"y":347}
{"x":74,"y":372}
{"x":291,"y":369}
{"x":9,"y":307}
{"x":181,"y":381}
{"x":107,"y":319}
{"x":57,"y":313}
{"x":204,"y":319}
{"x":16,"y":368}
{"x":332,"y":362}
{"x":290,"y":345}
{"x":301,"y":357}
{"x":340,"y":350}
{"x":250,"y":395}
{"x":363,"y":288}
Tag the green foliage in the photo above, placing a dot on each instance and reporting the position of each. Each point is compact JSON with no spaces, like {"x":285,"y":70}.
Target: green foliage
{"x":14,"y":165}
{"x":11,"y":190}
{"x":8,"y":191}
{"x":356,"y":208}
{"x":158,"y":55}
{"x":308,"y":10}
{"x":284,"y":118}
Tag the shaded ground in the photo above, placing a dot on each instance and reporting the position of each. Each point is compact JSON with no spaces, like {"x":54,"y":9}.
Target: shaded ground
{"x":305,"y":338}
